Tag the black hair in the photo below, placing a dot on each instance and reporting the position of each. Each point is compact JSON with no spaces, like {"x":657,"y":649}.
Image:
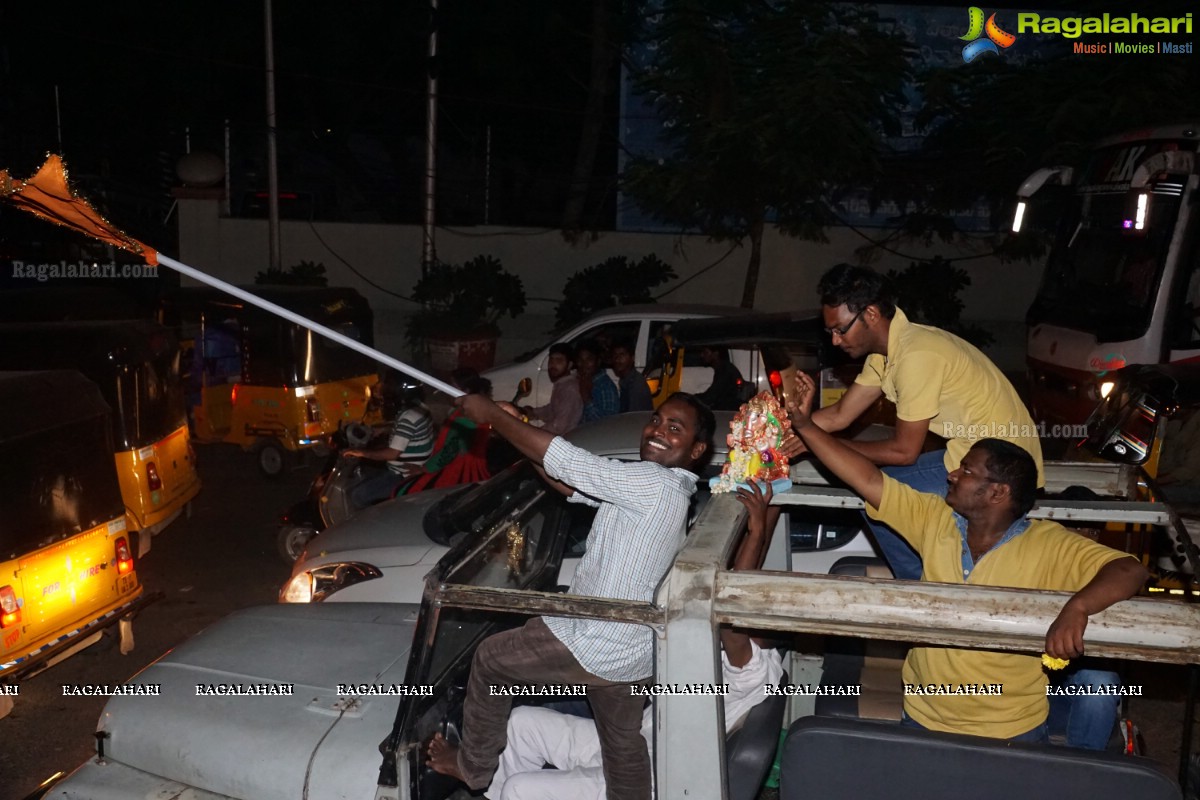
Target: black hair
{"x":706,"y":423}
{"x":623,"y":342}
{"x":589,"y":345}
{"x":857,"y":288}
{"x":563,"y":349}
{"x":1012,"y":466}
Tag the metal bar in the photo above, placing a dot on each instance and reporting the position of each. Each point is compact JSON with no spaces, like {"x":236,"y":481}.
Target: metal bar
{"x":944,"y":614}
{"x":1073,"y":510}
{"x":305,"y":322}
{"x":1101,"y":477}
{"x":547,"y":603}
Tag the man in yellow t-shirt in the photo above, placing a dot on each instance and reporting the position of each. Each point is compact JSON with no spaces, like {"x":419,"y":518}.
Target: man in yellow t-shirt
{"x":979,"y":534}
{"x":940,"y":384}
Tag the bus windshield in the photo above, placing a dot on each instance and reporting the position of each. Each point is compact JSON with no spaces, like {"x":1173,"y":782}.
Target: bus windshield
{"x":1101,"y":277}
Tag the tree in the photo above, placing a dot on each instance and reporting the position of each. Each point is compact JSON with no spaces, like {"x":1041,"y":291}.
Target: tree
{"x":766,"y":107}
{"x":994,"y":123}
{"x":615,"y":282}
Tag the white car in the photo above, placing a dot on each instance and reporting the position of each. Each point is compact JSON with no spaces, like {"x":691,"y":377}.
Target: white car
{"x":644,"y":325}
{"x":383,"y":553}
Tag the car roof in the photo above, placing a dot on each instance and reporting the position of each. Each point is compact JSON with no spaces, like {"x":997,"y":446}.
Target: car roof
{"x":790,"y":326}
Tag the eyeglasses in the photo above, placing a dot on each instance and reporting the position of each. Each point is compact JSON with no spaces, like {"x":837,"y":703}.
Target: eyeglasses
{"x":842,"y":331}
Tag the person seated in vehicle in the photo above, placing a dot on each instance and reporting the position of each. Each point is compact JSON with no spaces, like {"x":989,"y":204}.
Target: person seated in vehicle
{"x":539,"y":736}
{"x":460,"y":451}
{"x":599,"y":393}
{"x":642,"y":512}
{"x":980,"y":534}
{"x":726,"y":391}
{"x":409,"y":445}
{"x":564,"y":412}
{"x":635,"y":392}
{"x":938,"y":382}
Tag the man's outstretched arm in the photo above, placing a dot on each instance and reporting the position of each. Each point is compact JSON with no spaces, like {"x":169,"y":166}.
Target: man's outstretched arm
{"x":852,"y":467}
{"x":1116,"y":581}
{"x":530,"y":440}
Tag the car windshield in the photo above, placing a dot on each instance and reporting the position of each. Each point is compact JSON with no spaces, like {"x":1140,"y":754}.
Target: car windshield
{"x":476,"y":508}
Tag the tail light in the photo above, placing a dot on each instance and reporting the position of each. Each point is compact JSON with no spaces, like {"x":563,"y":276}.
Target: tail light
{"x":233,"y":393}
{"x":10,"y":611}
{"x":152,"y":478}
{"x":776,"y":382}
{"x":124,"y":557}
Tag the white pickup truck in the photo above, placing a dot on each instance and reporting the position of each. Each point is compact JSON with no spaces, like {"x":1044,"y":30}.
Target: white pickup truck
{"x":335,"y":700}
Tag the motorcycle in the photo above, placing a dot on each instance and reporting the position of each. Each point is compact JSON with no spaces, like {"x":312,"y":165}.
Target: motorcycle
{"x":327,"y":500}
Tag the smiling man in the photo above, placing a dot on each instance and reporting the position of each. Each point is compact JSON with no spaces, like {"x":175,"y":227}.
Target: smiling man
{"x":980,"y":534}
{"x":642,"y":510}
{"x":940,"y":384}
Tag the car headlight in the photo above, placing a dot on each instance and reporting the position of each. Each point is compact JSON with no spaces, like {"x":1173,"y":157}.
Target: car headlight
{"x":316,"y":584}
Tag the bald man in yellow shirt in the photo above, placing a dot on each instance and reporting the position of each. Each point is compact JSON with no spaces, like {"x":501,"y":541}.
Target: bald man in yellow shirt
{"x":980,"y":534}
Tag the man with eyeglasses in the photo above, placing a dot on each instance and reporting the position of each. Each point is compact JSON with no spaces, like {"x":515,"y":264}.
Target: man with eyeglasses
{"x":939,"y":383}
{"x":979,"y":533}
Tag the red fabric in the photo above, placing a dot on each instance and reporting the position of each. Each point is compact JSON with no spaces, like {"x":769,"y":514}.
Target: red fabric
{"x":467,"y":467}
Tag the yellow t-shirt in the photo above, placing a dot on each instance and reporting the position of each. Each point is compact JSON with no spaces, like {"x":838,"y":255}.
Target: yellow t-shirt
{"x":1045,"y":556}
{"x":932,"y":374}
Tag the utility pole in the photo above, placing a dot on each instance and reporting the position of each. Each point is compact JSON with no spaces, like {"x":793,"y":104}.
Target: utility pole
{"x":428,"y":247}
{"x":272,"y":155}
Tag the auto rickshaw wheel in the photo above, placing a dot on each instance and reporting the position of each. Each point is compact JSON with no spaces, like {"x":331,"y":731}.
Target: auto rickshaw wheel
{"x":270,"y":456}
{"x":292,"y":539}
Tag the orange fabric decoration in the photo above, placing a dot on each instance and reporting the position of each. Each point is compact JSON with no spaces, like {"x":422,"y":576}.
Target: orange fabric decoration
{"x":48,"y":196}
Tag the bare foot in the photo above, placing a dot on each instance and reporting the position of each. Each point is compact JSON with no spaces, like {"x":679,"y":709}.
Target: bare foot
{"x":442,"y":756}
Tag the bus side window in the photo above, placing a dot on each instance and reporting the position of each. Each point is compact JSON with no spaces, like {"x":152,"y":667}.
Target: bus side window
{"x":1186,"y":316}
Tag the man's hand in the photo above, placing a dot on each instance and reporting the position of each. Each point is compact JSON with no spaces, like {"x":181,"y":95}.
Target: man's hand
{"x":756,"y":502}
{"x":1065,"y":637}
{"x":1117,"y":580}
{"x":800,"y":401}
{"x":479,"y":409}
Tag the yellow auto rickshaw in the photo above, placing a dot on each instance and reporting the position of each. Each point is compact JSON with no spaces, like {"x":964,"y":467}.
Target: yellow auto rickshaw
{"x":67,"y":562}
{"x":135,"y":364}
{"x":271,"y":386}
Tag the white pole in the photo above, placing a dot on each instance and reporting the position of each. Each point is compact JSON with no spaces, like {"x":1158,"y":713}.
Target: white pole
{"x":58,"y":117}
{"x":272,"y":157}
{"x":428,"y":248}
{"x":305,"y":322}
{"x":487,"y":176}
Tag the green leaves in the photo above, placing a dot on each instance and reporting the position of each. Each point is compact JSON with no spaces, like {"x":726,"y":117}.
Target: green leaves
{"x":615,"y":281}
{"x":466,"y":298}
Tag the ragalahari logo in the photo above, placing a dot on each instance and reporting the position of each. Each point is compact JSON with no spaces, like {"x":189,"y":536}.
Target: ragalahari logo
{"x":996,"y":38}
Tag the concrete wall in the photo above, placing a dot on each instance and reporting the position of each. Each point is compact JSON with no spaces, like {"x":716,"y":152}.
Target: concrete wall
{"x":389,"y":256}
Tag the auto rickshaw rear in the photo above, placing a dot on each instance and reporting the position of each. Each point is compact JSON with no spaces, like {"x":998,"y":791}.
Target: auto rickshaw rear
{"x":135,"y":363}
{"x":66,"y":559}
{"x":264,"y":383}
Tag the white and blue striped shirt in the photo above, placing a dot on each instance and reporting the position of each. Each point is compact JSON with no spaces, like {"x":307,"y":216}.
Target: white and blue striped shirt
{"x":639,"y":527}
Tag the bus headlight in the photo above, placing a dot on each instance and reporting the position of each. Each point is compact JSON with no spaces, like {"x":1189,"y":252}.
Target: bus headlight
{"x":1106,"y":388}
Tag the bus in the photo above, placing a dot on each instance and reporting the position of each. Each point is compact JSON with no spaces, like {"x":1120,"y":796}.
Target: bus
{"x":1122,"y":280}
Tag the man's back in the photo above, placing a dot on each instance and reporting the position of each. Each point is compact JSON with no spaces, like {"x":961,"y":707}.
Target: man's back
{"x":930,"y":373}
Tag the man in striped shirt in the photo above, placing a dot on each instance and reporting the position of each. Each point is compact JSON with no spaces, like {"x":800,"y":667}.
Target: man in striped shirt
{"x":642,"y":511}
{"x":408,"y":447}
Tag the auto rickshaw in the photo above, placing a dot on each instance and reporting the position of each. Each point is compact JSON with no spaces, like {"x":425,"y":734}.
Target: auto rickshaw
{"x":259,"y":381}
{"x":767,"y":349}
{"x":67,"y":562}
{"x":1150,"y":419}
{"x":135,"y":363}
